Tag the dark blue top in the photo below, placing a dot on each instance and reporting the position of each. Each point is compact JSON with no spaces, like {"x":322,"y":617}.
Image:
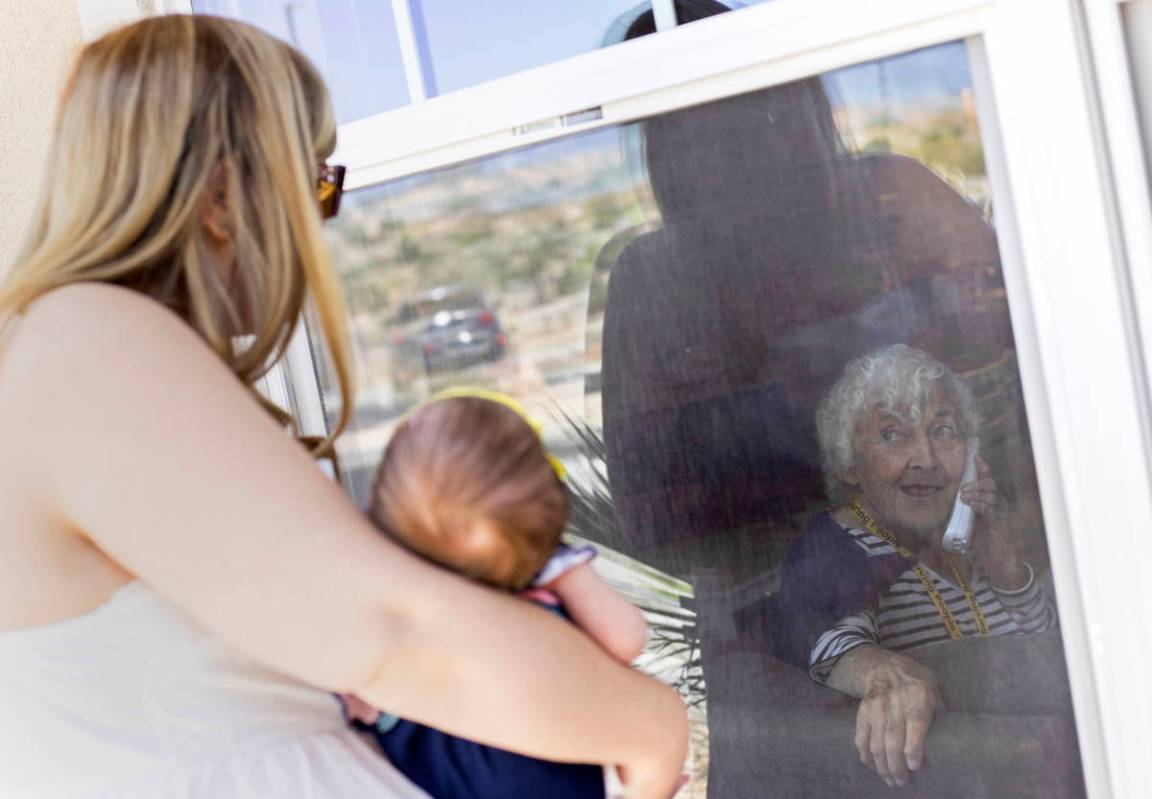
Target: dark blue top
{"x":826,"y":576}
{"x":448,"y":767}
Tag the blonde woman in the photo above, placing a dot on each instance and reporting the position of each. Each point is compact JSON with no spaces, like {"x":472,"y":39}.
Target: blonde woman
{"x":180,"y":587}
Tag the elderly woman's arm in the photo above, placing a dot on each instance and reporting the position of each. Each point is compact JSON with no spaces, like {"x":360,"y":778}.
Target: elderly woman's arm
{"x":996,"y":551}
{"x":138,"y":440}
{"x":898,"y":698}
{"x":1030,"y":606}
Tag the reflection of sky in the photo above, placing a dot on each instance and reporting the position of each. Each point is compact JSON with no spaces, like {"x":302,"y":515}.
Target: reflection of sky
{"x":355,"y":45}
{"x":352,"y":42}
{"x":469,"y":45}
{"x":934,"y":76}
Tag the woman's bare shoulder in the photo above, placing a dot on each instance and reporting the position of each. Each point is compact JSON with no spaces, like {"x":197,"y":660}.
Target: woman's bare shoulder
{"x":891,"y":175}
{"x":48,"y":363}
{"x":96,"y":330}
{"x":894,"y":167}
{"x":95,"y":314}
{"x":930,"y":221}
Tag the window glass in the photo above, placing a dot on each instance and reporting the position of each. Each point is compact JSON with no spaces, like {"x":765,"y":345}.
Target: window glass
{"x":517,"y":35}
{"x":767,"y":336}
{"x":353,"y":44}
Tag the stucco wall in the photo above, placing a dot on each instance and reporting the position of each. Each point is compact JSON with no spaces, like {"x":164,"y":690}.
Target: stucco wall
{"x":38,"y":39}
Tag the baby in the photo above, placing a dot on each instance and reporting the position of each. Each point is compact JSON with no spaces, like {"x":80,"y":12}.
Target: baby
{"x":466,"y":482}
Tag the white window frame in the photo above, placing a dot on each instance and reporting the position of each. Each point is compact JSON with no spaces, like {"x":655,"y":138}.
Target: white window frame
{"x":1061,"y":143}
{"x":1120,"y":129}
{"x":762,"y":45}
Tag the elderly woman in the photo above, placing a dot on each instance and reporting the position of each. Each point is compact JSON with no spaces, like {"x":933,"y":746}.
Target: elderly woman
{"x":871,"y":579}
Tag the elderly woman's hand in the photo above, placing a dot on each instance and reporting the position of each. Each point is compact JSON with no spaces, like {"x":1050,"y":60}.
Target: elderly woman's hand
{"x":898,"y":698}
{"x":996,"y":543}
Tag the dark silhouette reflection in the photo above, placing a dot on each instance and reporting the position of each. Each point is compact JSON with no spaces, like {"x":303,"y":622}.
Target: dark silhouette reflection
{"x":782,"y":254}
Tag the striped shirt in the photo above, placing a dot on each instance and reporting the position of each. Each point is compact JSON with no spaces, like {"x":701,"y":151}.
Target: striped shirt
{"x":904,"y":615}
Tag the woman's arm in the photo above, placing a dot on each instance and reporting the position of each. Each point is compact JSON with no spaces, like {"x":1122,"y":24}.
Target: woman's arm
{"x":898,"y":698}
{"x":601,"y":611}
{"x":145,"y":444}
{"x":897,"y":695}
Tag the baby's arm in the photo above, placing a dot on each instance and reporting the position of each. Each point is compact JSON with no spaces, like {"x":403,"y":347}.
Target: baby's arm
{"x":599,"y":610}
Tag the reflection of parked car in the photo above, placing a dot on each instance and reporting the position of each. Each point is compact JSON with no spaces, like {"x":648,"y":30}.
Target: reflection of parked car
{"x":457,"y":338}
{"x":445,"y":327}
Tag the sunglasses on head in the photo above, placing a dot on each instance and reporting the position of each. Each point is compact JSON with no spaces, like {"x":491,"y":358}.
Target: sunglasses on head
{"x":329,"y":188}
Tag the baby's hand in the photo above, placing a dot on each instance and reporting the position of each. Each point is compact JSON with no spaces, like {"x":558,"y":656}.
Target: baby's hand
{"x":356,"y":709}
{"x":607,"y":616}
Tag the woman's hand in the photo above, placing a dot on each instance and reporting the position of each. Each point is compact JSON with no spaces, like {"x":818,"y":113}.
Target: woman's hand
{"x":996,"y":545}
{"x":898,"y":698}
{"x":659,"y":774}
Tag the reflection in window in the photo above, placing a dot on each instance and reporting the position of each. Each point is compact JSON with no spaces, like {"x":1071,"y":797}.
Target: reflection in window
{"x":516,"y":35}
{"x":480,"y":273}
{"x":676,"y":299}
{"x":353,"y":44}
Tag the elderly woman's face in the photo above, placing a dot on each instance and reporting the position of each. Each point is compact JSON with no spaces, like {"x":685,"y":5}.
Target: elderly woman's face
{"x":908,"y":472}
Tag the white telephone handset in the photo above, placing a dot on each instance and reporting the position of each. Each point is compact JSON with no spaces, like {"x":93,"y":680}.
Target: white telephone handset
{"x":958,"y":534}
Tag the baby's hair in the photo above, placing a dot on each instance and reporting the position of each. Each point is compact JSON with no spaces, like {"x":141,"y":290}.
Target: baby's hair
{"x":460,"y":461}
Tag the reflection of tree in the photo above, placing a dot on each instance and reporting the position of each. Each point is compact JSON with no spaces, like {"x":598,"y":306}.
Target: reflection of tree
{"x":605,"y":210}
{"x":527,"y":224}
{"x":410,"y":249}
{"x":550,"y":249}
{"x":947,"y":140}
{"x":543,"y":256}
{"x":526,"y":237}
{"x":953,"y":143}
{"x":673,"y":650}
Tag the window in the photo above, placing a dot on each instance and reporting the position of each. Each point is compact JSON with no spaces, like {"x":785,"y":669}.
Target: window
{"x":518,"y":35}
{"x":361,"y":52}
{"x":353,"y":44}
{"x":532,"y":200}
{"x":673,"y":297}
{"x":378,"y":56}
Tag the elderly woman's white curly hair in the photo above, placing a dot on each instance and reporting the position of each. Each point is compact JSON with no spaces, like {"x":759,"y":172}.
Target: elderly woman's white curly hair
{"x":897,"y":379}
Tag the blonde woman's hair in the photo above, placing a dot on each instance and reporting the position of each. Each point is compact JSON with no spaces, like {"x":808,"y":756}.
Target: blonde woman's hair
{"x":151,"y":118}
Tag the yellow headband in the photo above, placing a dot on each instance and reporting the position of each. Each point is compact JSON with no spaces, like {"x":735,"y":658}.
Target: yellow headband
{"x":509,"y":402}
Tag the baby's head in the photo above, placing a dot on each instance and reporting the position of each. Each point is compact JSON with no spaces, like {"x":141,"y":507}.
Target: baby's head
{"x":466,"y":482}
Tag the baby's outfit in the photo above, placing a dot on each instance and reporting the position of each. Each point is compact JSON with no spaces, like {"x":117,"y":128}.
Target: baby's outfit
{"x":448,"y":767}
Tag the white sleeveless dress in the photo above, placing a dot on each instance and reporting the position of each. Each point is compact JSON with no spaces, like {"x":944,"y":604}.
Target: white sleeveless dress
{"x":134,"y":700}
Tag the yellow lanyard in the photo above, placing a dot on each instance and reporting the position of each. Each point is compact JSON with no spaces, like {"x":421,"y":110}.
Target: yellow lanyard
{"x":950,"y":623}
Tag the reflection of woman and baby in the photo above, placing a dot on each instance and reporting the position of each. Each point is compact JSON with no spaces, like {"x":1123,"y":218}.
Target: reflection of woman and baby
{"x":894,"y":433}
{"x":781,"y":254}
